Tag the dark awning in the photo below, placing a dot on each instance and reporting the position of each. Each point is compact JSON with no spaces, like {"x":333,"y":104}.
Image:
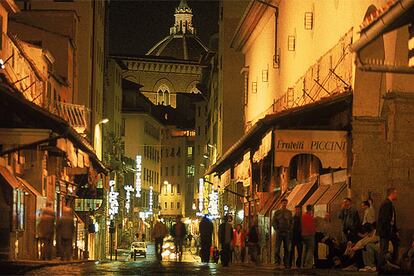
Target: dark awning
{"x":317,"y":195}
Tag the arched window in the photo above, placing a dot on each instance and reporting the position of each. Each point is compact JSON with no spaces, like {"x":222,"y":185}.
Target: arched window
{"x":163,"y":95}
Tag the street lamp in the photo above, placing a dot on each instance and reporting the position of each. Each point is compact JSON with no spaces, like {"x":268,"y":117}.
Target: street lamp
{"x":98,"y":137}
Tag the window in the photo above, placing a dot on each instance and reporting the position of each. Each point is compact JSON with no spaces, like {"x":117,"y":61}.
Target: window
{"x":178,"y":153}
{"x":178,"y":205}
{"x":18,"y":209}
{"x":172,"y":205}
{"x":291,"y":43}
{"x":179,"y":170}
{"x":189,"y":151}
{"x":172,"y":170}
{"x":166,"y":171}
{"x":308,"y":21}
{"x":165,"y":205}
{"x":190,"y":170}
{"x":178,"y":189}
{"x":254,"y":87}
{"x":199,"y":111}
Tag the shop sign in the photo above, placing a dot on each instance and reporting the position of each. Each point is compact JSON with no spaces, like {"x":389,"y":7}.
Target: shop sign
{"x":128,"y":190}
{"x":113,"y":200}
{"x":329,"y":146}
{"x":151,"y":204}
{"x":213,"y":205}
{"x":138,"y":171}
{"x":201,"y":195}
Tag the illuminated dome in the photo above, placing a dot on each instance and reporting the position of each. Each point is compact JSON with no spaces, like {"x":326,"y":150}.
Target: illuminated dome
{"x":182,"y":43}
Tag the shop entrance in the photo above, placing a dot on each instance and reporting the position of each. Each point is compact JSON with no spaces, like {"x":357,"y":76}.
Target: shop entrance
{"x":304,"y":166}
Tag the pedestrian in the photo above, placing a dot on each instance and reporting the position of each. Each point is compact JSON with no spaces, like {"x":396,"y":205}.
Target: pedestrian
{"x":323,"y":233}
{"x":350,"y":221}
{"x":225,"y":237}
{"x":308,"y":236}
{"x":206,"y":233}
{"x":216,"y":255}
{"x":190,"y":238}
{"x":143,"y":237}
{"x":159,"y":232}
{"x":282,"y":223}
{"x":369,"y":213}
{"x":296,"y":242}
{"x":387,"y":229}
{"x":254,"y":239}
{"x":238,"y":243}
{"x":369,"y":247}
{"x":178,"y":232}
{"x":46,"y":226}
{"x":65,"y":228}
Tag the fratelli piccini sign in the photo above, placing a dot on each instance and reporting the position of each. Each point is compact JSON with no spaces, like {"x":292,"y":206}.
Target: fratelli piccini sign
{"x":329,"y":146}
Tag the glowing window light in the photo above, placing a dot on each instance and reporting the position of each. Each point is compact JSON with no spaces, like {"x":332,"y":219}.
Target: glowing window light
{"x":128,"y":190}
{"x":113,"y":200}
{"x":138,"y":183}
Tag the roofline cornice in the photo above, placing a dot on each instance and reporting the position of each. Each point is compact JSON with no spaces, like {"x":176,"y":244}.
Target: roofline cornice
{"x":253,"y":14}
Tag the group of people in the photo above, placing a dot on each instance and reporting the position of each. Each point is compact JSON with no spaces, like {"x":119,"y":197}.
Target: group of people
{"x":177,"y":231}
{"x":232,"y":241}
{"x":64,"y":232}
{"x":370,"y":244}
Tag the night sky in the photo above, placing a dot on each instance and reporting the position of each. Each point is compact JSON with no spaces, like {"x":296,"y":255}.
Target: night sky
{"x":136,"y":25}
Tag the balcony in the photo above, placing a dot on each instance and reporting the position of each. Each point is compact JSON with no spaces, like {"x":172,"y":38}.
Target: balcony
{"x":76,"y":115}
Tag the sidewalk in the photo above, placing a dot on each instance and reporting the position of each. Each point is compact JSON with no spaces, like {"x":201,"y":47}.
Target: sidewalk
{"x":22,"y":266}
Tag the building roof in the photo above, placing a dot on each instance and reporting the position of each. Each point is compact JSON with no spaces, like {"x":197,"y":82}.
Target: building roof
{"x":394,"y":14}
{"x":182,"y":43}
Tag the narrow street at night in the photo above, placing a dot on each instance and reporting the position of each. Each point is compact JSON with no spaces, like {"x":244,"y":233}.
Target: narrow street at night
{"x":190,"y":265}
{"x":206,"y":137}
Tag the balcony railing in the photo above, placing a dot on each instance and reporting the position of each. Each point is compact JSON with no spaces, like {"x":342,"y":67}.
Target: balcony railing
{"x":330,"y":75}
{"x":76,"y":115}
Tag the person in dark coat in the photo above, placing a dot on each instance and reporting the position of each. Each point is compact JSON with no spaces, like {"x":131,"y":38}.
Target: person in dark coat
{"x":225,"y":237}
{"x":178,"y":232}
{"x":206,"y":232}
{"x":351,"y":222}
{"x":387,"y":228}
{"x":296,"y":237}
{"x":46,"y":227}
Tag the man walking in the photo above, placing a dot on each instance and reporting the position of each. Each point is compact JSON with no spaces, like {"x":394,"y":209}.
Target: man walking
{"x":158,"y":233}
{"x":296,"y":238}
{"x":66,"y":229}
{"x":206,"y":232}
{"x":282,"y":223}
{"x":225,"y":237}
{"x":308,"y":236}
{"x":387,"y":228}
{"x":350,"y":220}
{"x":178,"y":232}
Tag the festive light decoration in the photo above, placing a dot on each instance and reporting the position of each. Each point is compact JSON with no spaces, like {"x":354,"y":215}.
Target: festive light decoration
{"x":138,"y":176}
{"x":113,"y":200}
{"x":213,"y":205}
{"x":128,"y":190}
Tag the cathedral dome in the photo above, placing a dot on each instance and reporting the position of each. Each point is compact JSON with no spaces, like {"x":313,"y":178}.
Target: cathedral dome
{"x":182,"y":43}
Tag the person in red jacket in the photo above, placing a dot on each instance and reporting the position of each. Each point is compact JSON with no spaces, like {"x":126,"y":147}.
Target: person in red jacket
{"x":238,"y":243}
{"x":308,"y":236}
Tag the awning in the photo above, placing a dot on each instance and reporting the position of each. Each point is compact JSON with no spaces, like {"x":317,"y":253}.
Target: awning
{"x":320,"y":191}
{"x":29,"y":187}
{"x":29,"y":114}
{"x":328,"y":106}
{"x":303,"y":192}
{"x":10,"y":178}
{"x":321,"y":206}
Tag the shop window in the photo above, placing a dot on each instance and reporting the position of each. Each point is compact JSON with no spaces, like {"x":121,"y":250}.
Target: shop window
{"x":18,"y":209}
